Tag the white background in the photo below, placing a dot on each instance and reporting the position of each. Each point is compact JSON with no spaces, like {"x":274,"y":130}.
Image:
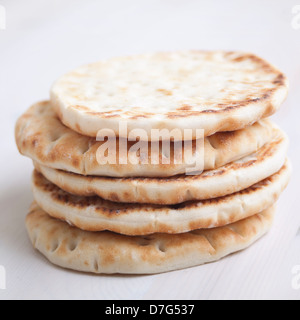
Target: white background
{"x":44,"y":39}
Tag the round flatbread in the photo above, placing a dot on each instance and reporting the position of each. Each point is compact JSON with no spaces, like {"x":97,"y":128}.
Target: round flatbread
{"x":215,"y":91}
{"x":96,"y":214}
{"x":109,"y":253}
{"x":228,"y":179}
{"x":41,"y":136}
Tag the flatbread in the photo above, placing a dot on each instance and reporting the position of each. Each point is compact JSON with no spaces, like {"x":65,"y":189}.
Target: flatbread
{"x":215,"y":91}
{"x":228,"y":179}
{"x":42,"y":137}
{"x":109,"y":253}
{"x":95,"y":214}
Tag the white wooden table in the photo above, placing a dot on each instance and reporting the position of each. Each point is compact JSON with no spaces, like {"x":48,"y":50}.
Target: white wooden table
{"x":44,"y":39}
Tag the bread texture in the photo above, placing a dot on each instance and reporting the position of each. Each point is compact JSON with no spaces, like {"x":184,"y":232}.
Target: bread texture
{"x":41,"y":136}
{"x":210,"y":90}
{"x":231,"y":178}
{"x":96,"y":214}
{"x":110,"y":253}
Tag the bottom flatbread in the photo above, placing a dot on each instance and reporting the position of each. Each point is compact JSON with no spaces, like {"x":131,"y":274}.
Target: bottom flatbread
{"x":110,"y":253}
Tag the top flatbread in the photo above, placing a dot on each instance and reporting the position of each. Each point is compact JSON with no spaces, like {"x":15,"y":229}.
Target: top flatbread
{"x":41,"y":136}
{"x":214,"y":91}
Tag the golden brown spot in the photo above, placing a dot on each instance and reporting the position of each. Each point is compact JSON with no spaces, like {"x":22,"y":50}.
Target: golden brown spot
{"x":126,"y":194}
{"x":44,"y":103}
{"x":81,"y":108}
{"x":114,"y":197}
{"x":34,"y":142}
{"x":260,"y":62}
{"x":140,"y":117}
{"x":75,"y":162}
{"x":77,"y":126}
{"x":185,"y":108}
{"x":243,"y":58}
{"x":165,"y":92}
{"x":195,"y":225}
{"x":62,"y":250}
{"x":280,"y":80}
{"x":108,"y":256}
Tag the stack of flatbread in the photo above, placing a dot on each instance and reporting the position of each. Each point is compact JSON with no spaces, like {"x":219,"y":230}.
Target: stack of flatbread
{"x":139,"y":216}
